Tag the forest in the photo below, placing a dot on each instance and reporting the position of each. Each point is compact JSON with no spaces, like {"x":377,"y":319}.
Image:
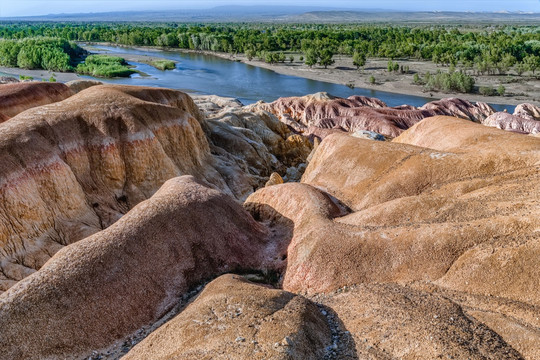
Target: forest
{"x":480,"y":50}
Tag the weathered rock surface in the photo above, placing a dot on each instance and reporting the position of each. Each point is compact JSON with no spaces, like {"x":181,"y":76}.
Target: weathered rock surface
{"x":72,"y":168}
{"x":79,"y":85}
{"x":528,"y":111}
{"x":322,"y":111}
{"x":17,"y":97}
{"x":525,"y":124}
{"x":458,"y":213}
{"x":233,"y":318}
{"x":389,"y":321}
{"x":422,"y":247}
{"x":407,"y":196}
{"x":106,"y":286}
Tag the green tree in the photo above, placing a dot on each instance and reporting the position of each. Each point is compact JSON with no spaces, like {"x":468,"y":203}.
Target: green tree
{"x":311,"y":57}
{"x":359,"y":59}
{"x":532,"y":62}
{"x":326,"y":58}
{"x":250,"y":54}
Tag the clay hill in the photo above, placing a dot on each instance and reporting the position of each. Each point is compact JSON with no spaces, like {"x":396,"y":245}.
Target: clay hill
{"x":321,"y":114}
{"x":136,"y":223}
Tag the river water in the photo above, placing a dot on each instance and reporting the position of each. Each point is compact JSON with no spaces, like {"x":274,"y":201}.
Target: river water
{"x":207,"y":74}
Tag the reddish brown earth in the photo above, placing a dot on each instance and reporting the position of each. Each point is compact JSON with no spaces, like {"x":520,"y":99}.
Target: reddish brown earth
{"x":103,"y":288}
{"x":73,"y":168}
{"x":322,"y":111}
{"x":20,"y":96}
{"x":423,"y":247}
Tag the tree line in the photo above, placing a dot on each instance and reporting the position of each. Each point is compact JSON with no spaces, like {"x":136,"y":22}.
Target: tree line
{"x":40,"y":53}
{"x":486,"y":49}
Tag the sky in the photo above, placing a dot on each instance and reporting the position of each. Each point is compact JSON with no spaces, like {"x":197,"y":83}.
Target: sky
{"x":42,"y":7}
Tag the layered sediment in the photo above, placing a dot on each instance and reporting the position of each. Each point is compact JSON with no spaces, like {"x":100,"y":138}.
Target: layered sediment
{"x":118,"y":202}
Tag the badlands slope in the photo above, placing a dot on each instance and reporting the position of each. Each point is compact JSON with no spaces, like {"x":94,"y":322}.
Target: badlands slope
{"x":135,"y":222}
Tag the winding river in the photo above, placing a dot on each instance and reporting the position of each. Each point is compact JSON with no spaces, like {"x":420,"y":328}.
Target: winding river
{"x":207,"y":74}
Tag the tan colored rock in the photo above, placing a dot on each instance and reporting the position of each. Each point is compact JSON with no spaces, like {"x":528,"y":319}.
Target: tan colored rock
{"x":403,"y":197}
{"x":17,"y":97}
{"x":101,"y":289}
{"x":275,"y":179}
{"x":388,"y":321}
{"x":79,"y":85}
{"x":233,"y":318}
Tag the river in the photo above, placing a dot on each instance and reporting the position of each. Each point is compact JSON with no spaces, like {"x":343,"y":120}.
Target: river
{"x":208,"y":74}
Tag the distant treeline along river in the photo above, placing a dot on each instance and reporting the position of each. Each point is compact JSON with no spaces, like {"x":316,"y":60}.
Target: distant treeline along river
{"x":208,"y":74}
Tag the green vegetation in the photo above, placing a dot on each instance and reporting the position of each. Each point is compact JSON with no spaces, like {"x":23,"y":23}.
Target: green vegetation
{"x":163,"y":64}
{"x":39,"y":53}
{"x":372,"y":80}
{"x":485,"y":49}
{"x":24,"y":77}
{"x":450,"y":81}
{"x":478,"y":50}
{"x":105,"y":66}
{"x":359,"y":59}
{"x":487,"y":91}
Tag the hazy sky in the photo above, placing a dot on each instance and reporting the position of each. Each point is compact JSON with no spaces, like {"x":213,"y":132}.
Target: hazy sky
{"x":41,"y":7}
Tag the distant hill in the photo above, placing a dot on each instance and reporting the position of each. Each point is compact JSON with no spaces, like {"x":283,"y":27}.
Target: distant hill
{"x":415,"y":17}
{"x":290,"y":14}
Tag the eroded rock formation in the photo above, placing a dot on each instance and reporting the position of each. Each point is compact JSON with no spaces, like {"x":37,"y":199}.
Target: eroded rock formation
{"x":235,"y":318}
{"x":20,"y":96}
{"x":524,"y":123}
{"x":73,"y":168}
{"x":422,"y":247}
{"x":129,"y":275}
{"x":309,"y":113}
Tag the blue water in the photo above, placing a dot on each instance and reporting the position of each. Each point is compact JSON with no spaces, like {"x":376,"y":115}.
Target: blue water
{"x":207,"y":74}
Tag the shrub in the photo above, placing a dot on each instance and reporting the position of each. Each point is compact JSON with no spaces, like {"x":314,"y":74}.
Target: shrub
{"x":163,"y":64}
{"x":501,"y":90}
{"x":452,"y":81}
{"x":487,"y":90}
{"x":105,"y":66}
{"x":371,"y":79}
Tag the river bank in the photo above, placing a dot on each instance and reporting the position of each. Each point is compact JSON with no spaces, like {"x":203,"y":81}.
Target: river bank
{"x":519,"y":89}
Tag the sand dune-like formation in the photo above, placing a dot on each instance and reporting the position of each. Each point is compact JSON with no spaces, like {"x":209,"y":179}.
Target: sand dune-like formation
{"x":119,"y":203}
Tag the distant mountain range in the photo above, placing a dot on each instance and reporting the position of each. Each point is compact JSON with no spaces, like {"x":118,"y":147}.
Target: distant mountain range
{"x":289,"y":14}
